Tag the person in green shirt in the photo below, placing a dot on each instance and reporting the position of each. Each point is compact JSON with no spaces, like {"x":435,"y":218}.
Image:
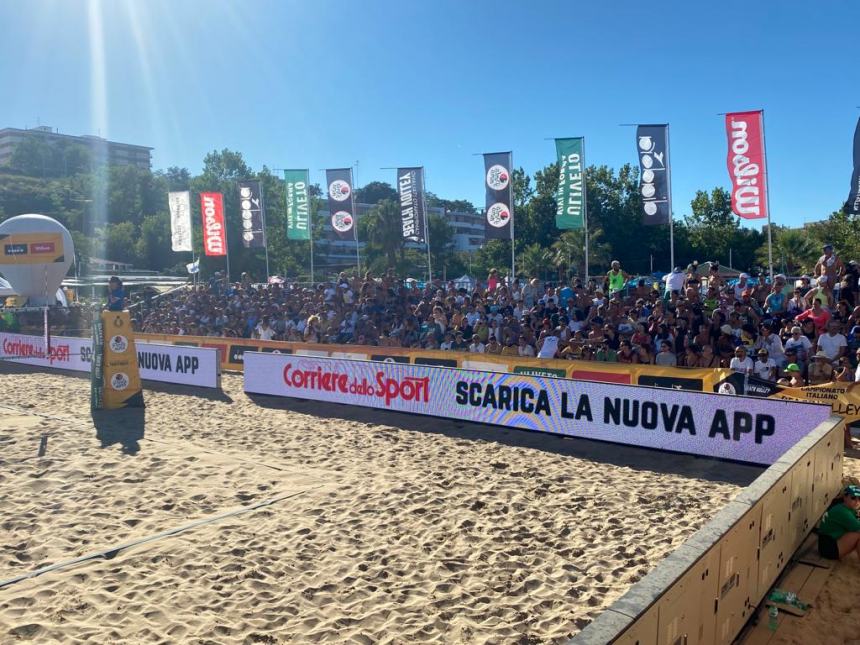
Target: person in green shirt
{"x":839,"y":531}
{"x":616,"y":278}
{"x":605,"y":354}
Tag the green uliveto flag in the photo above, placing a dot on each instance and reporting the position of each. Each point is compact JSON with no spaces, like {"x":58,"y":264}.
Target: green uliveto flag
{"x":298,"y":205}
{"x":570,"y":200}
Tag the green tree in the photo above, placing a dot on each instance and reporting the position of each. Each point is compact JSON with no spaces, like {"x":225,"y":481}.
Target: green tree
{"x":383,"y":231}
{"x":119,"y":242}
{"x":712,"y":225}
{"x":533,"y":261}
{"x":375,"y":192}
{"x":567,"y":253}
{"x":441,"y":245}
{"x":793,"y":251}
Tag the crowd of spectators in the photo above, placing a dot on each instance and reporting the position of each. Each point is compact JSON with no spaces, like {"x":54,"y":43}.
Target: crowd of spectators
{"x":803,"y":331}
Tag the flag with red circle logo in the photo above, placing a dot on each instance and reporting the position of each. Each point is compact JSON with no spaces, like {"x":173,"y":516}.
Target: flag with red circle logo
{"x":341,"y":202}
{"x":498,"y":182}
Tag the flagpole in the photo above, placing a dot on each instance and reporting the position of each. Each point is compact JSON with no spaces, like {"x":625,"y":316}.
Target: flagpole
{"x":310,"y":222}
{"x":426,"y":223}
{"x":227,"y":253}
{"x":355,"y":218}
{"x":513,"y":239}
{"x":265,"y":240}
{"x":671,"y":218}
{"x":767,"y":196}
{"x":585,"y":209}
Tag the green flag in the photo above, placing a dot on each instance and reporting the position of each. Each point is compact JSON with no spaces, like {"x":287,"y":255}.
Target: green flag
{"x":570,"y":200}
{"x":298,"y":205}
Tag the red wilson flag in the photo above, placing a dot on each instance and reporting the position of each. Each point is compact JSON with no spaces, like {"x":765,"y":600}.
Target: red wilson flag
{"x":746,"y":164}
{"x":214,"y":236}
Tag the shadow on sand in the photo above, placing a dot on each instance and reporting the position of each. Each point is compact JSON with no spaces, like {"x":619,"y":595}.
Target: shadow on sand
{"x":124,"y":426}
{"x":617,"y":454}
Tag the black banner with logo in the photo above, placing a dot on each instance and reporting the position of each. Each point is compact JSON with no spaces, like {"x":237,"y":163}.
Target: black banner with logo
{"x":253,"y":214}
{"x":498,"y":177}
{"x":410,"y":187}
{"x":652,"y":146}
{"x":341,"y":202}
{"x":854,"y":196}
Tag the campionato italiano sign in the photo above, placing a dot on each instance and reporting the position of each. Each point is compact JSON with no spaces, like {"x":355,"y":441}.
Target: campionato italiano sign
{"x":751,"y":430}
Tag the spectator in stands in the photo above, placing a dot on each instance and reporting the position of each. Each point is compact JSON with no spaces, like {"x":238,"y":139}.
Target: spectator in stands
{"x":741,"y":362}
{"x":817,"y":314}
{"x":829,"y":267}
{"x":674,"y":281}
{"x":666,"y":357}
{"x":616,"y":279}
{"x":832,"y":344}
{"x":820,"y":370}
{"x":792,"y":377}
{"x":765,"y":367}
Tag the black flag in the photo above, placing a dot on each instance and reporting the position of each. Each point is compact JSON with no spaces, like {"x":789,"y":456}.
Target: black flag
{"x":498,"y":179}
{"x":341,"y":202}
{"x":253,"y":214}
{"x":652,"y":145}
{"x":854,"y":196}
{"x":410,"y":186}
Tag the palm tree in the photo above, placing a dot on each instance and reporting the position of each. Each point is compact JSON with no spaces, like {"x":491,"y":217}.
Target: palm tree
{"x":793,"y":250}
{"x":533,"y":260}
{"x":568,"y":251}
{"x":384,"y":229}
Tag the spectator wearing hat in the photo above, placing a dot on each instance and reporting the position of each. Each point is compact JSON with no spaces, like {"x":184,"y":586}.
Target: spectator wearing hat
{"x":741,"y":362}
{"x":765,"y":367}
{"x":674,"y":281}
{"x":792,"y":377}
{"x":616,"y":278}
{"x":839,"y":530}
{"x":820,"y":369}
{"x":741,"y":285}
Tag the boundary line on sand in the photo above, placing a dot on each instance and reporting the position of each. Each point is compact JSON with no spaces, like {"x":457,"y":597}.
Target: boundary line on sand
{"x":110,"y":553}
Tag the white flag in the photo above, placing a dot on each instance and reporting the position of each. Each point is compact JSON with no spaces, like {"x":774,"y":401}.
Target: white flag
{"x":193,"y":267}
{"x":180,"y":220}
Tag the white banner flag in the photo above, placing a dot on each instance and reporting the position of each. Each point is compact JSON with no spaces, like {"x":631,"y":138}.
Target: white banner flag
{"x":180,"y":220}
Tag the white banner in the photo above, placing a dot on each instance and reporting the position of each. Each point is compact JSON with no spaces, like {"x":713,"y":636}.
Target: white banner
{"x":197,"y":366}
{"x":745,"y":429}
{"x":180,"y":220}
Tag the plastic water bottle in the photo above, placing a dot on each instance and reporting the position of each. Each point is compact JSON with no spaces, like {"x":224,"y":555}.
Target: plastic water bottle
{"x":773,"y":614}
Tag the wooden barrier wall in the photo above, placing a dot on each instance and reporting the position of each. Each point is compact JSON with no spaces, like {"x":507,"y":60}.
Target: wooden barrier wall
{"x":707,"y":589}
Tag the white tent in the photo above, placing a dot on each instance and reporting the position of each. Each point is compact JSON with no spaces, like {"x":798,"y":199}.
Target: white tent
{"x":465,"y":282}
{"x":6,"y":288}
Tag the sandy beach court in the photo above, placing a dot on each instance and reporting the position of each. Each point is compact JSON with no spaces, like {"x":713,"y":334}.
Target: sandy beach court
{"x":381,"y":527}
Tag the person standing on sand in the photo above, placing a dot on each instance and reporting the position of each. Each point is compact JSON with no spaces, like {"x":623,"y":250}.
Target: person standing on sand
{"x":839,"y":531}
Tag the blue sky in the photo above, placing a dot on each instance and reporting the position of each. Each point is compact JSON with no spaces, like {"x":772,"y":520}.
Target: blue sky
{"x":330,"y":83}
